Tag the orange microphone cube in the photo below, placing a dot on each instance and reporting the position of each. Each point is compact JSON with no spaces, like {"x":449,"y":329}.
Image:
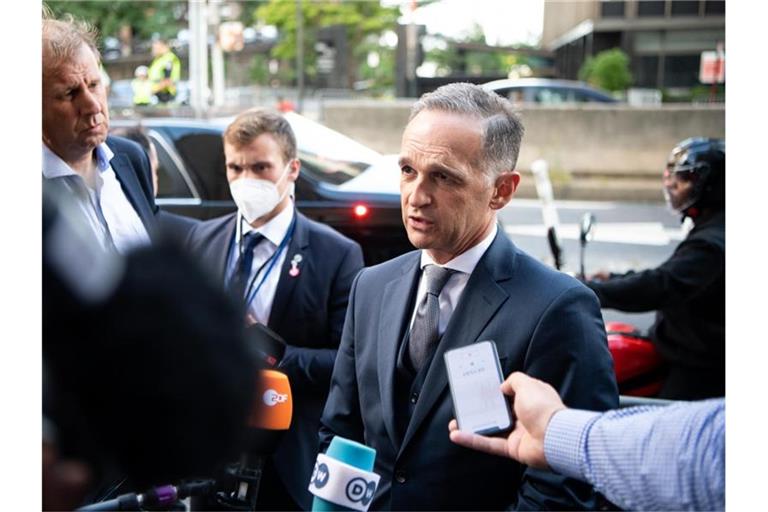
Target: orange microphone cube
{"x":273,"y":407}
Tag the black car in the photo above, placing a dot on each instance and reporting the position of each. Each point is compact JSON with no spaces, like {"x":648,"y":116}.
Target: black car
{"x":192,"y":180}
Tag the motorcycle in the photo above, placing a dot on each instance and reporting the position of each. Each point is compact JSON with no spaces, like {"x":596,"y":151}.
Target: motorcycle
{"x":638,"y":366}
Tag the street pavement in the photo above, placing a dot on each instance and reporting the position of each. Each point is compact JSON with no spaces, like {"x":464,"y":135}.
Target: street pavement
{"x":627,"y":236}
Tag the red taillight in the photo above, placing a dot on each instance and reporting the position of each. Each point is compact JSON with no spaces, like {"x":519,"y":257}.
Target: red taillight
{"x":361,"y":211}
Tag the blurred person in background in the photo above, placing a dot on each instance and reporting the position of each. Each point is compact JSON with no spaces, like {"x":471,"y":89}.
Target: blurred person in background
{"x":142,"y":87}
{"x":687,"y":290}
{"x":173,"y":225}
{"x":164,"y":71}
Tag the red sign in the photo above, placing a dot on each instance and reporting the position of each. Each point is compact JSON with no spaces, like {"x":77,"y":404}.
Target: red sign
{"x":712,"y":68}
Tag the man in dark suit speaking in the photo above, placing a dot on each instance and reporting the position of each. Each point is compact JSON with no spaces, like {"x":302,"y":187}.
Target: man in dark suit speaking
{"x":294,"y":275}
{"x":108,"y":179}
{"x":468,"y":283}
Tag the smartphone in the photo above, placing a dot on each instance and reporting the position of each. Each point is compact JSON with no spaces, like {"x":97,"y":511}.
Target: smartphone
{"x":474,"y":376}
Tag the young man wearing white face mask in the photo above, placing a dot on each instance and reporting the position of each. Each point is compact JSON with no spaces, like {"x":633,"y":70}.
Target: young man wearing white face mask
{"x":294,"y":276}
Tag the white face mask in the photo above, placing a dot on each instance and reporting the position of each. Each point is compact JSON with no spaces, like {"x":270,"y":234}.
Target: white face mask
{"x":257,"y":197}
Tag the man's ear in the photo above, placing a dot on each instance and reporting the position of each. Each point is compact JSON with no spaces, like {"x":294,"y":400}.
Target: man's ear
{"x":293,"y":173}
{"x":504,"y":189}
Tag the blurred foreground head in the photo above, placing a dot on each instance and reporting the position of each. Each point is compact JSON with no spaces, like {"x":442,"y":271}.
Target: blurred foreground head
{"x":146,"y":370}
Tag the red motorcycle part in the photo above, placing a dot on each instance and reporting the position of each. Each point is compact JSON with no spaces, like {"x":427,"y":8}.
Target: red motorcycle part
{"x":639,"y":368}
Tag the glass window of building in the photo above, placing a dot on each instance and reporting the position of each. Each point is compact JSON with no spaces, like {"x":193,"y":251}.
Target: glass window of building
{"x":714,"y":7}
{"x":646,"y":70}
{"x":681,"y":70}
{"x":650,"y":8}
{"x":612,"y":8}
{"x":685,"y":8}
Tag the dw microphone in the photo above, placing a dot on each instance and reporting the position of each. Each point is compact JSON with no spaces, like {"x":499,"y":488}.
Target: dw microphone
{"x":343,"y":477}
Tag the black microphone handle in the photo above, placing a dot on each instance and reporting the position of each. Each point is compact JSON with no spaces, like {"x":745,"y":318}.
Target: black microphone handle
{"x":249,"y":478}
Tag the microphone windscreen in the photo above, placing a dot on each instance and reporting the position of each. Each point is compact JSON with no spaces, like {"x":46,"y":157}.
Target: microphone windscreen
{"x":273,"y":403}
{"x":329,"y":477}
{"x":352,"y":453}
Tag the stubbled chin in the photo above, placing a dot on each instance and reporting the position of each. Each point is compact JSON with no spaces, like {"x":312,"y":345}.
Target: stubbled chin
{"x":417,"y":239}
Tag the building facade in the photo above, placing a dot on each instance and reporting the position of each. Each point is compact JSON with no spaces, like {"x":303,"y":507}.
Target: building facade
{"x":663,"y":38}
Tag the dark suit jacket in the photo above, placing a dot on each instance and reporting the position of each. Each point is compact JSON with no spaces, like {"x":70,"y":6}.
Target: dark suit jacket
{"x":544,"y":323}
{"x":131,"y":166}
{"x":308,"y":312}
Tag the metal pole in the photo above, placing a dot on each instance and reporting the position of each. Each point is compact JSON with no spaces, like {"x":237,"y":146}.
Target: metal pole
{"x":299,"y":56}
{"x":198,"y":56}
{"x":217,"y":56}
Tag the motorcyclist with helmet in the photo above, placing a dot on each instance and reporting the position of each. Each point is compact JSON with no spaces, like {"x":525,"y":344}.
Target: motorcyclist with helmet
{"x":688,"y":289}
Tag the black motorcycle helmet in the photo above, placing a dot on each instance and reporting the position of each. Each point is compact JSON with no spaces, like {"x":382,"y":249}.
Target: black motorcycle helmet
{"x":700,"y":161}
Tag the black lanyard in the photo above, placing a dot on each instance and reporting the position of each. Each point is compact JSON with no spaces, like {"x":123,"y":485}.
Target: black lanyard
{"x":269,"y":264}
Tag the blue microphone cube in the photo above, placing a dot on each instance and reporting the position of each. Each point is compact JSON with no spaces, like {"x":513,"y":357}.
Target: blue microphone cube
{"x":351,"y":453}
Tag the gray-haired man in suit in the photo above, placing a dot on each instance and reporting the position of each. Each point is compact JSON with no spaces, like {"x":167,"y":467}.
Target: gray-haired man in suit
{"x":467,"y":283}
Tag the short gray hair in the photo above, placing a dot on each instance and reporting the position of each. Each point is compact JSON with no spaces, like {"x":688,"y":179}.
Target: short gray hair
{"x":63,"y":38}
{"x":502,"y":129}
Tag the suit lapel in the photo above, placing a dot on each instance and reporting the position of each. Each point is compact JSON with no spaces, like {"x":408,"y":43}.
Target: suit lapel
{"x":221,"y":245}
{"x":393,"y":318}
{"x":478,"y":304}
{"x":127,"y":178}
{"x":299,"y":244}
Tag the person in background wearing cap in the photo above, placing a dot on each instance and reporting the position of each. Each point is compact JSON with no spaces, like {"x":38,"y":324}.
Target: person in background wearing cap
{"x":142,"y":87}
{"x":687,"y":290}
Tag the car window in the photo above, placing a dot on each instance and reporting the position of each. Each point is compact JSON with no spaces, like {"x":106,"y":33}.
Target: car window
{"x":548,"y":96}
{"x":170,"y":183}
{"x":203,"y":154}
{"x":582,"y":97}
{"x":328,"y":155}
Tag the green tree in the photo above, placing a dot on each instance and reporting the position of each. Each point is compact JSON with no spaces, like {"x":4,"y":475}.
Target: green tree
{"x":451,"y":61}
{"x":608,"y":70}
{"x":361,"y":19}
{"x":144,"y":18}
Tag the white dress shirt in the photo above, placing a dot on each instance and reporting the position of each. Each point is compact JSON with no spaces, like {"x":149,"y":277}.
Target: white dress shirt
{"x":105,"y":208}
{"x":274,"y":232}
{"x":464,"y":264}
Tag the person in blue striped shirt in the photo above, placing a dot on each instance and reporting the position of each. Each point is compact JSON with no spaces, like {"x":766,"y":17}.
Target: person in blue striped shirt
{"x":640,"y":458}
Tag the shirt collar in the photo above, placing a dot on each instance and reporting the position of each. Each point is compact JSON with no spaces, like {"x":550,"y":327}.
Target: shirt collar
{"x":55,"y":167}
{"x":466,"y":261}
{"x":274,"y":230}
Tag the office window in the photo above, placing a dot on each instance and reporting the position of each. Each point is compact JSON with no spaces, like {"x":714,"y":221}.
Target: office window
{"x":645,"y":71}
{"x":685,"y":7}
{"x":612,"y":9}
{"x":650,"y":8}
{"x":714,"y":8}
{"x":681,"y":70}
{"x":679,"y":41}
{"x":648,"y":41}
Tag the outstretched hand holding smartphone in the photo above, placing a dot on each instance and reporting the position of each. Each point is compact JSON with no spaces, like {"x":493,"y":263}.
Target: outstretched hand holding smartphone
{"x":474,"y":375}
{"x":535,"y":402}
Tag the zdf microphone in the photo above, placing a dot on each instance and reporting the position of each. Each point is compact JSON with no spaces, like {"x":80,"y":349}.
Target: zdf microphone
{"x":270,"y":418}
{"x":343,"y":477}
